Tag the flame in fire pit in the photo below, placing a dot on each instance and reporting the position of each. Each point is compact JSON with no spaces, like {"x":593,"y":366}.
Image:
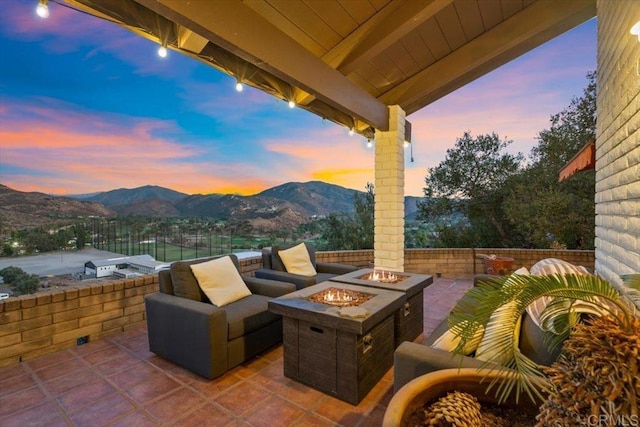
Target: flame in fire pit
{"x":382,"y":276}
{"x":340,"y":297}
{"x":337,"y":295}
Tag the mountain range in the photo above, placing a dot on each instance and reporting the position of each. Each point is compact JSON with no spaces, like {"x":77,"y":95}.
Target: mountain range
{"x":286,"y":205}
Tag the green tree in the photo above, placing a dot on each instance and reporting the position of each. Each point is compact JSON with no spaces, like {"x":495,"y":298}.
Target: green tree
{"x":539,"y":207}
{"x":7,"y":250}
{"x":352,"y":232}
{"x":10,"y":274}
{"x":22,"y":282}
{"x":464,"y":193}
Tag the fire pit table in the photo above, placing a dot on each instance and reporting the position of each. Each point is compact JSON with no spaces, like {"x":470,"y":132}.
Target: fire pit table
{"x":338,"y":338}
{"x":408,"y":320}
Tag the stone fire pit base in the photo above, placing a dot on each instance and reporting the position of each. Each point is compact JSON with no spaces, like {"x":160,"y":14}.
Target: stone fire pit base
{"x":342,"y":356}
{"x":342,"y":364}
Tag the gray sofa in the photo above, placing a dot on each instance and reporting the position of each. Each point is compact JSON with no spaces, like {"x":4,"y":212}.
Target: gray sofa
{"x":412,"y":360}
{"x":185,"y":328}
{"x":274,"y":269}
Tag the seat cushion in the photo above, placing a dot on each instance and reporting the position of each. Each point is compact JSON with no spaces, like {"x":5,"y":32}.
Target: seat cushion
{"x":184,"y":283}
{"x":248,"y":314}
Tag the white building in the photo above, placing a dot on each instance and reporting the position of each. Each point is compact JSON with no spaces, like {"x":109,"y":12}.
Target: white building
{"x":125,"y":267}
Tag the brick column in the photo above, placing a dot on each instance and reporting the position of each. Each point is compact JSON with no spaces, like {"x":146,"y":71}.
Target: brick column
{"x":618,"y":141}
{"x":389,"y":191}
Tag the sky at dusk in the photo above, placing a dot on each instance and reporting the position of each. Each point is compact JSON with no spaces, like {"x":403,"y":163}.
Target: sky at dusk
{"x":87,"y":106}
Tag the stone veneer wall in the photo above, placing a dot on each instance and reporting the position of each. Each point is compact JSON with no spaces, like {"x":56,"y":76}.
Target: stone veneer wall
{"x":618,"y":140}
{"x":34,"y":325}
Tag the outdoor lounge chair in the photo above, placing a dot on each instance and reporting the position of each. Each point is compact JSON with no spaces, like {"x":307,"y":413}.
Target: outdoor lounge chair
{"x":187,"y":329}
{"x":273,"y":268}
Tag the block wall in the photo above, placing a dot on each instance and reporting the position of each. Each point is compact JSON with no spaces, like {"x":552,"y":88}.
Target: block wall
{"x":459,"y":263}
{"x":618,"y":140}
{"x":35,"y":325}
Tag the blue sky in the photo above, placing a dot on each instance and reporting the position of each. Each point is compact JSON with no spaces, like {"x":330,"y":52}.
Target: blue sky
{"x":87,"y":106}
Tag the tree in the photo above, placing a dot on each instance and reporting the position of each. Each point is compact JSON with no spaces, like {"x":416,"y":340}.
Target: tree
{"x":568,"y":207}
{"x":464,"y":193}
{"x":352,"y":232}
{"x":22,"y":282}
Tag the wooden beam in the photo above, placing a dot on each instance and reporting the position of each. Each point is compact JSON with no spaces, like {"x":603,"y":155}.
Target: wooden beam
{"x":243,"y":32}
{"x":388,"y":31}
{"x":534,"y":25}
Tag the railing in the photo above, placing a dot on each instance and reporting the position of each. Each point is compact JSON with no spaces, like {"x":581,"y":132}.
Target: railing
{"x":38,"y":324}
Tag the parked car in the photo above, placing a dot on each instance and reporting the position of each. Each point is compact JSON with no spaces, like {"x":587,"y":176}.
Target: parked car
{"x":4,"y":296}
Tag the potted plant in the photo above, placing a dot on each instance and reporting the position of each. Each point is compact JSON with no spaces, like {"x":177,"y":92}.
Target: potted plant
{"x":596,"y":380}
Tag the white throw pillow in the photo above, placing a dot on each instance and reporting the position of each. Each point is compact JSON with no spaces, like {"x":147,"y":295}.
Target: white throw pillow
{"x":495,"y":344}
{"x":296,"y":260}
{"x":449,"y":341}
{"x":220,"y":281}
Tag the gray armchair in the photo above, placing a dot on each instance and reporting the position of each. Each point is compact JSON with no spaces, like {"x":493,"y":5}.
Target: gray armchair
{"x":412,"y":360}
{"x":274,"y":269}
{"x":185,"y":328}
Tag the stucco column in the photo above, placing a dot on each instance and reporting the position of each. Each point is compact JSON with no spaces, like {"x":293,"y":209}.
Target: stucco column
{"x":389,"y":194}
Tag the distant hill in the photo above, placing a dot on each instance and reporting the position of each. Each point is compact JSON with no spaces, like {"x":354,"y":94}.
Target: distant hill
{"x":316,"y":197}
{"x":287,"y":205}
{"x":128,"y":196}
{"x":31,"y":209}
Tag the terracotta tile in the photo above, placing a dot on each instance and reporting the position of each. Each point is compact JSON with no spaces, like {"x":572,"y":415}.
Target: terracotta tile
{"x":174,"y":405}
{"x":82,"y":396}
{"x":272,"y":409}
{"x":143,"y":353}
{"x":314,"y":420}
{"x":242,"y":398}
{"x":116,"y":364}
{"x":91,"y":347}
{"x":274,"y":353}
{"x":11,"y":371}
{"x":250,"y":368}
{"x":11,"y":385}
{"x":152,"y":388}
{"x":131,"y":335}
{"x":133,"y":375}
{"x":298,"y":393}
{"x":110,"y":408}
{"x":54,"y":371}
{"x":71,"y":380}
{"x":374,"y":418}
{"x":21,"y":400}
{"x":377,"y":393}
{"x":44,"y":414}
{"x":213,"y":388}
{"x":178,"y":372}
{"x":208,"y":415}
{"x":340,"y":412}
{"x":275,"y":372}
{"x":50,"y":359}
{"x":137,"y":419}
{"x":110,"y":352}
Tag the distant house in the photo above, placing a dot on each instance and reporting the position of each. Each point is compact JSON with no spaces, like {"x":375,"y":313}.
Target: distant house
{"x":123,"y":267}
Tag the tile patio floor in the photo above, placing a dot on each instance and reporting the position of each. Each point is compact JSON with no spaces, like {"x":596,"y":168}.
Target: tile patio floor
{"x":116,"y":381}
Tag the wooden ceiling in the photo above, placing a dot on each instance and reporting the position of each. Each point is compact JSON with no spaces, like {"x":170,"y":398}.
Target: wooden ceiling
{"x":347,"y":60}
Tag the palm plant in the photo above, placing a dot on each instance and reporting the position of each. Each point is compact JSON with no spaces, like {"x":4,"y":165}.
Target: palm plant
{"x":585,"y":351}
